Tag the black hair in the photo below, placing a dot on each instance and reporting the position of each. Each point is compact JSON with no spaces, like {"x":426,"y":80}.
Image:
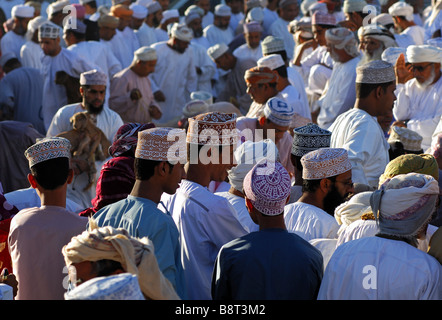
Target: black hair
{"x":52,"y":173}
{"x":364,"y":89}
{"x":313,"y":185}
{"x":105,"y":267}
{"x":282,"y":71}
{"x":144,"y":169}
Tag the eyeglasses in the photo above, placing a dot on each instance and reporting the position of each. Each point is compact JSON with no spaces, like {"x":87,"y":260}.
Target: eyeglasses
{"x":419,"y":68}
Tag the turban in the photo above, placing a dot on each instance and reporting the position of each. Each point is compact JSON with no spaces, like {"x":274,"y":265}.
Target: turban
{"x":162,"y":144}
{"x":120,"y":11}
{"x":93,"y":77}
{"x":126,"y":138}
{"x":353,"y":209}
{"x":376,"y":71}
{"x":57,"y":6}
{"x":404,"y":203}
{"x":379,"y":33}
{"x":279,"y":112}
{"x":35,"y":23}
{"x":247,"y":155}
{"x":410,"y":139}
{"x":170,"y":14}
{"x":308,"y":138}
{"x":47,"y":149}
{"x":135,"y":255}
{"x":342,"y":38}
{"x":213,"y":128}
{"x":436,"y":146}
{"x":383,"y":19}
{"x":268,"y":186}
{"x":402,"y":9}
{"x":260,"y":75}
{"x":406,"y":163}
{"x":181,"y":32}
{"x":325,"y":163}
{"x":424,"y":53}
{"x":392,"y":53}
{"x":108,"y":21}
{"x":139,"y":11}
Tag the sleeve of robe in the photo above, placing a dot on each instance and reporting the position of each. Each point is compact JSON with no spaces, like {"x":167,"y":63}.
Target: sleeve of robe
{"x":119,"y":99}
{"x":401,"y":109}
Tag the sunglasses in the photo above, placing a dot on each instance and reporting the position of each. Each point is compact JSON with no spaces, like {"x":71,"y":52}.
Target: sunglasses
{"x":419,"y":68}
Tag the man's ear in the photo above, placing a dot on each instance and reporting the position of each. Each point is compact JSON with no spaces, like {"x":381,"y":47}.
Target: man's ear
{"x":70,"y":176}
{"x":325,"y":184}
{"x":32,"y":181}
{"x":261,"y":121}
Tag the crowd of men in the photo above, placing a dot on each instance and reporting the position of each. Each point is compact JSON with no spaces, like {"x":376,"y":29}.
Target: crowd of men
{"x":266,"y":150}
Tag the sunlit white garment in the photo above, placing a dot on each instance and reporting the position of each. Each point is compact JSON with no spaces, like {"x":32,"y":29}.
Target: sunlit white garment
{"x":309,"y":222}
{"x":422,"y":107}
{"x":202,"y":41}
{"x":12,"y":42}
{"x":31,"y":54}
{"x":239,"y":204}
{"x":123,"y":44}
{"x":317,"y":56}
{"x":205,"y":222}
{"x":361,"y":135}
{"x":417,"y":33}
{"x":216,"y":35}
{"x":235,"y":19}
{"x":54,"y":95}
{"x":339,"y":93}
{"x":245,"y":52}
{"x":146,"y":35}
{"x":296,"y":81}
{"x":175,"y":75}
{"x":207,"y":19}
{"x":269,"y":17}
{"x":279,"y":28}
{"x":207,"y":66}
{"x":375,"y":268}
{"x":291,"y":95}
{"x":327,"y":248}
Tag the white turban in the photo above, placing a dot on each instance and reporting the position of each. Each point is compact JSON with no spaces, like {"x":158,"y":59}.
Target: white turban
{"x":135,"y":255}
{"x":181,"y":32}
{"x":401,"y":9}
{"x":247,"y":155}
{"x":342,"y":38}
{"x":404,"y":203}
{"x":352,"y":210}
{"x":424,"y":53}
{"x":139,"y":11}
{"x":391,"y":54}
{"x":22,"y":11}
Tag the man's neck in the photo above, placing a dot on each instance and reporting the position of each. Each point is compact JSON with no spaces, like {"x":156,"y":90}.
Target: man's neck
{"x":147,"y":189}
{"x":198,"y":173}
{"x":312,"y":199}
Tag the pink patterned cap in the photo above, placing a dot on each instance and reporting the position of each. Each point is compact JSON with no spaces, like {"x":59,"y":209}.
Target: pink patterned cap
{"x":268,"y":186}
{"x":324,"y":163}
{"x":213,"y":128}
{"x":47,"y":149}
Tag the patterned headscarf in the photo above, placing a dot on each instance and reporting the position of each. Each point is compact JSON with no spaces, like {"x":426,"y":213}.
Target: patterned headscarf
{"x":259,"y":75}
{"x":126,"y":138}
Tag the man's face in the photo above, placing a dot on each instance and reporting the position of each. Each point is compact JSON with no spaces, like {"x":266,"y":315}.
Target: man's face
{"x":372,"y":47}
{"x":386,"y":101}
{"x":336,"y":54}
{"x":290,"y":12}
{"x":124,"y":21}
{"x":253,"y":39}
{"x":146,"y":67}
{"x":319,"y":34}
{"x":21,"y":25}
{"x":341,"y":188}
{"x":197,"y":27}
{"x":236,"y":5}
{"x":225,"y":163}
{"x":180,"y":45}
{"x":176,"y":174}
{"x":223,"y":62}
{"x":424,"y":73}
{"x":93,"y":98}
{"x":260,"y":93}
{"x":273,"y":131}
{"x":222,"y":22}
{"x":136,"y":23}
{"x":50,"y":46}
{"x":204,"y":4}
{"x":106,"y":33}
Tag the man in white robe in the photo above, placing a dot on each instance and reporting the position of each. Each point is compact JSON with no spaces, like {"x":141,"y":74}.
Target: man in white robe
{"x":252,"y":48}
{"x":288,"y":10}
{"x":92,"y":88}
{"x":205,"y":221}
{"x":175,"y":73}
{"x":358,"y":131}
{"x":389,"y":266}
{"x":31,"y":52}
{"x":339,"y":93}
{"x":219,"y":31}
{"x":146,"y":33}
{"x":327,"y":181}
{"x":193,"y":20}
{"x":418,"y":101}
{"x":404,"y":24}
{"x":56,"y":59}
{"x":14,"y":39}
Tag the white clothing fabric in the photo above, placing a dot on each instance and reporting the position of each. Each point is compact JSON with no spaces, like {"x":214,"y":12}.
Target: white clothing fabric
{"x":146,"y":35}
{"x":53,"y":227}
{"x":310,"y":222}
{"x":216,"y":35}
{"x":207,"y":19}
{"x":28,"y":198}
{"x":422,"y":107}
{"x":123,"y":44}
{"x":292,"y":96}
{"x":245,"y":52}
{"x":161,"y":34}
{"x":207,"y":66}
{"x":416,"y":33}
{"x":239,"y":204}
{"x":175,"y":75}
{"x":279,"y":28}
{"x":317,"y":56}
{"x":235,"y":19}
{"x":202,"y":41}
{"x":362,"y":136}
{"x":327,"y":248}
{"x":109,"y":122}
{"x":269,"y":17}
{"x":205,"y":222}
{"x":12,"y":42}
{"x":54,"y":95}
{"x":31,"y":54}
{"x":397,"y":270}
{"x":339,"y":93}
{"x":296,"y":81}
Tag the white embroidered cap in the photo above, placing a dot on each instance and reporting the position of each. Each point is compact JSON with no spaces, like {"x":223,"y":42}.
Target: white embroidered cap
{"x":48,"y":30}
{"x":93,"y":77}
{"x":48,"y":148}
{"x":376,"y":71}
{"x":217,"y":50}
{"x":139,"y":11}
{"x":22,"y":11}
{"x":353,"y":6}
{"x":325,"y":163}
{"x":411,"y":140}
{"x":272,"y":44}
{"x":272,"y":61}
{"x":145,"y":54}
{"x":268,"y":187}
{"x":162,"y":144}
{"x":223,"y":10}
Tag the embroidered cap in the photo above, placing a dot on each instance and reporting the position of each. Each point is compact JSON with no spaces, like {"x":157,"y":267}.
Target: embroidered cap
{"x":410,"y":139}
{"x":272,"y":44}
{"x":213,"y":128}
{"x":162,"y":144}
{"x":268,"y":186}
{"x":22,"y":11}
{"x":308,"y":138}
{"x":324,"y":163}
{"x":272,"y":61}
{"x":47,"y":149}
{"x":48,"y":30}
{"x":92,"y":78}
{"x":217,"y":50}
{"x":376,"y":71}
{"x":279,"y":112}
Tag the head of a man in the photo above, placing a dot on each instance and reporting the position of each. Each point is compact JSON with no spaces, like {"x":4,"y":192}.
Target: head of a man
{"x":341,"y":44}
{"x":194,"y":21}
{"x":354,"y":11}
{"x":49,"y":38}
{"x":327,"y":173}
{"x":107,"y":26}
{"x":261,"y":84}
{"x":252,"y":34}
{"x":21,"y":15}
{"x":124,"y":15}
{"x":93,"y":89}
{"x":276,"y":119}
{"x":222,"y":16}
{"x":180,"y":37}
{"x":222,"y":57}
{"x":321,"y":22}
{"x":425,"y":63}
{"x":374,"y":40}
{"x":288,"y":9}
{"x":154,"y":14}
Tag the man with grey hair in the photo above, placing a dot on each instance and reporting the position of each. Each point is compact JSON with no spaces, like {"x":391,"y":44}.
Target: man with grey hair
{"x":418,"y":104}
{"x":374,"y":39}
{"x":339,"y":92}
